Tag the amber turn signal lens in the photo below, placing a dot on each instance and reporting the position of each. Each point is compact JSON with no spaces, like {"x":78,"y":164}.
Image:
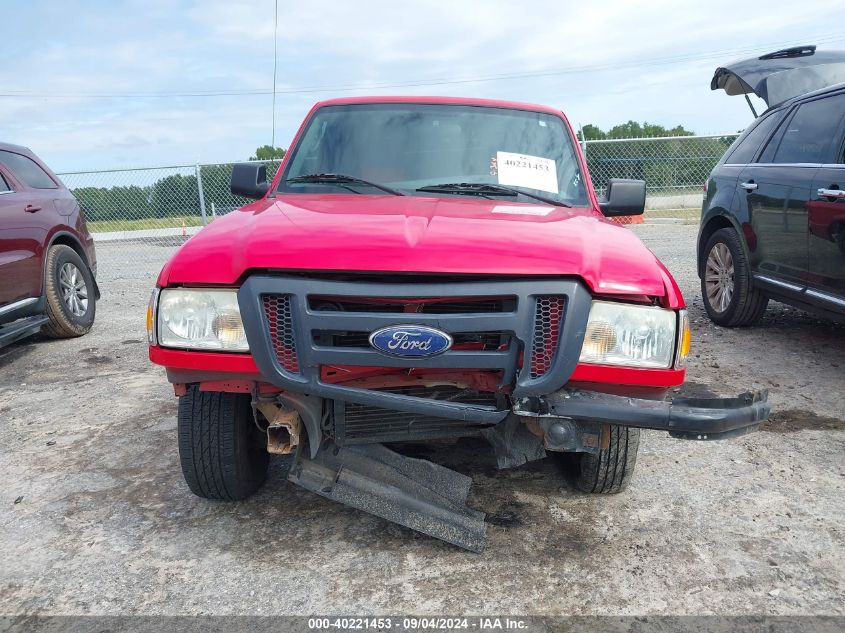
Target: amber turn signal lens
{"x":151,"y":317}
{"x":684,"y":340}
{"x":228,"y":327}
{"x":600,"y":338}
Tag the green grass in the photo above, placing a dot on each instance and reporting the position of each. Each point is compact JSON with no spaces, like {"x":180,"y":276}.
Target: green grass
{"x":662,"y":192}
{"x":104,"y":226}
{"x":688,"y":213}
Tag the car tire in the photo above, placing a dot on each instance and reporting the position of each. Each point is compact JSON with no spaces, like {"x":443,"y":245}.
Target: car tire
{"x":70,"y":293}
{"x":727,"y":287}
{"x":222,"y":452}
{"x":610,"y":470}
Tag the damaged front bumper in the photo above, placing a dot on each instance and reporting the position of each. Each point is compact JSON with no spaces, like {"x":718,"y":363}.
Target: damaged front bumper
{"x":685,"y":418}
{"x":432,"y":499}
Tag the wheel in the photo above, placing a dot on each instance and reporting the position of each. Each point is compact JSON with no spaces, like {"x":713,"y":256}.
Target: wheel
{"x":610,"y":470}
{"x":71,"y":300}
{"x":727,"y":289}
{"x":222,"y":452}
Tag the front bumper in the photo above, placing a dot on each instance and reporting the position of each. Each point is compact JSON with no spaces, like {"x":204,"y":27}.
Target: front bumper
{"x":685,"y":418}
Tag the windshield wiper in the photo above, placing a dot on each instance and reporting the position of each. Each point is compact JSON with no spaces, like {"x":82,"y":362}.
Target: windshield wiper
{"x":341,"y":179}
{"x":487,"y":189}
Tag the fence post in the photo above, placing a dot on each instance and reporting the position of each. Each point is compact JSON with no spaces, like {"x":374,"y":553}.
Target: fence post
{"x":202,"y":197}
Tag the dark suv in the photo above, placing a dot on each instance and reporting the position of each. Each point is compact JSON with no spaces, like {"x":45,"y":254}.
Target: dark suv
{"x":47,"y":259}
{"x":773,"y":220}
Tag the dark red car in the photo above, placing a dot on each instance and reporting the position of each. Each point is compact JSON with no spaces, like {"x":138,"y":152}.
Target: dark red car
{"x":47,"y":259}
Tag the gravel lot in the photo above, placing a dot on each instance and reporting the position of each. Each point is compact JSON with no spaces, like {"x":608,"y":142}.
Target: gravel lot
{"x":96,"y":519}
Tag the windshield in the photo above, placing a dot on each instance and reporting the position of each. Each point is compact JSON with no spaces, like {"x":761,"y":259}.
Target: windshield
{"x":406,"y":147}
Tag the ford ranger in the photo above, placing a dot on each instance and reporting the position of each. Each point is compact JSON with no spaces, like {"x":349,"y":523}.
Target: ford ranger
{"x":422,"y":269}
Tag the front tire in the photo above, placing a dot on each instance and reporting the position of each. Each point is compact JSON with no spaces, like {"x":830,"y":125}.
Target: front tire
{"x":222,"y":452}
{"x":610,"y":470}
{"x":71,"y":294}
{"x":727,"y":288}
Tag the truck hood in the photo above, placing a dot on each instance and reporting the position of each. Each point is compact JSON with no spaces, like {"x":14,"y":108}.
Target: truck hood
{"x":339,"y":232}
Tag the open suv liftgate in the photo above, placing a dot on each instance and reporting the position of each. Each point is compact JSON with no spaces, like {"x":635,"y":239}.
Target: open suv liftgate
{"x":530,"y":331}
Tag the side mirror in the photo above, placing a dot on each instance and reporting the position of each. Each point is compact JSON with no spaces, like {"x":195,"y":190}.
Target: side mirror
{"x":249,"y":180}
{"x":624,"y":197}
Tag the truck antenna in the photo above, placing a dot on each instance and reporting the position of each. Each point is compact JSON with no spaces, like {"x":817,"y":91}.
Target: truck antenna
{"x":275,"y":61}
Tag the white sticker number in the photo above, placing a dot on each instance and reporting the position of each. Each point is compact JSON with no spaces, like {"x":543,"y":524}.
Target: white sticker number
{"x":522,"y":170}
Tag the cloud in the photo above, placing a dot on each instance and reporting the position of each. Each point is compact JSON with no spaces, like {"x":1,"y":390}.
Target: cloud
{"x":614,"y":61}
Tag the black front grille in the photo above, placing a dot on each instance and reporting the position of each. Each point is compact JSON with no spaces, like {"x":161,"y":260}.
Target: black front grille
{"x":548,"y":319}
{"x":277,"y":310}
{"x":359,"y":423}
{"x":517,"y":328}
{"x":475,"y":340}
{"x":413,"y":305}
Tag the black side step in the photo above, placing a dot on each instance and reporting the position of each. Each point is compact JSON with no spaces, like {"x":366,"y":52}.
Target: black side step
{"x":21,"y":328}
{"x":411,"y":492}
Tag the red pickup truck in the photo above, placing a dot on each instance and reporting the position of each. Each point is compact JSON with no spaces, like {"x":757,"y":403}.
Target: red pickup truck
{"x":422,"y":269}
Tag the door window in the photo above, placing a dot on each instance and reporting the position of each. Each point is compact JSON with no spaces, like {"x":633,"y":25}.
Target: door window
{"x":807,"y":136}
{"x":839,"y":145}
{"x":27,"y":170}
{"x":746,"y":146}
{"x":3,"y":184}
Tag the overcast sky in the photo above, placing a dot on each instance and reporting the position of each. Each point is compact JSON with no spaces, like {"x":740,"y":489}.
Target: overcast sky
{"x":102,"y":83}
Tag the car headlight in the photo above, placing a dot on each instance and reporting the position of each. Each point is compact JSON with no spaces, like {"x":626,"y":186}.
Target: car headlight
{"x":630,"y":335}
{"x":200,"y":319}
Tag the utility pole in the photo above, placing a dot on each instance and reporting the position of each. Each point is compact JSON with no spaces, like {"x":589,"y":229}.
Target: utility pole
{"x":275,"y":60}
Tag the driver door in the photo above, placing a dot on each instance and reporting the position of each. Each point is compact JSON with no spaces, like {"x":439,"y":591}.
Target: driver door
{"x":21,"y":238}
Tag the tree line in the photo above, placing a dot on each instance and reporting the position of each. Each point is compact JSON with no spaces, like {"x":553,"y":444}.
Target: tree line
{"x":176,"y":195}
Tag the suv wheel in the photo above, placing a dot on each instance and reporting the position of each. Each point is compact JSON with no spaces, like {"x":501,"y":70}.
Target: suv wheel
{"x":222,"y":452}
{"x":730,"y":298}
{"x":610,"y":470}
{"x":71,"y":298}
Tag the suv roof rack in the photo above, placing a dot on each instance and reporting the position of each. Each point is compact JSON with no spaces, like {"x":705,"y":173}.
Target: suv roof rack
{"x":795,"y":51}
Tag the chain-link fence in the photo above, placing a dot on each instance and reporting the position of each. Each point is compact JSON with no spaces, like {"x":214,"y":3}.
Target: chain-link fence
{"x":154,"y":201}
{"x":673,"y":167}
{"x":157,"y":202}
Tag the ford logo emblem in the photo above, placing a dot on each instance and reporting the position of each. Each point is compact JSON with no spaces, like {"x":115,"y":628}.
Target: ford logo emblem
{"x":410,"y":341}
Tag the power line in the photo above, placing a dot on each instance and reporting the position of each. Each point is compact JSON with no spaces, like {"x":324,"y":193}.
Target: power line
{"x":660,"y":61}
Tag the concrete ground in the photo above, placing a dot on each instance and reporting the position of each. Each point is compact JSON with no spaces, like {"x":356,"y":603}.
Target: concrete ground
{"x":96,"y":519}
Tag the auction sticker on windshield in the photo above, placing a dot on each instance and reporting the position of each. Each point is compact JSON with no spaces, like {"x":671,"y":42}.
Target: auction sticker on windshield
{"x":522,"y":170}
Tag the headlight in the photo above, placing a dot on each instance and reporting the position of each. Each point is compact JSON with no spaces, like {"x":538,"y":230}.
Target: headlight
{"x":630,"y":335}
{"x":200,"y":319}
